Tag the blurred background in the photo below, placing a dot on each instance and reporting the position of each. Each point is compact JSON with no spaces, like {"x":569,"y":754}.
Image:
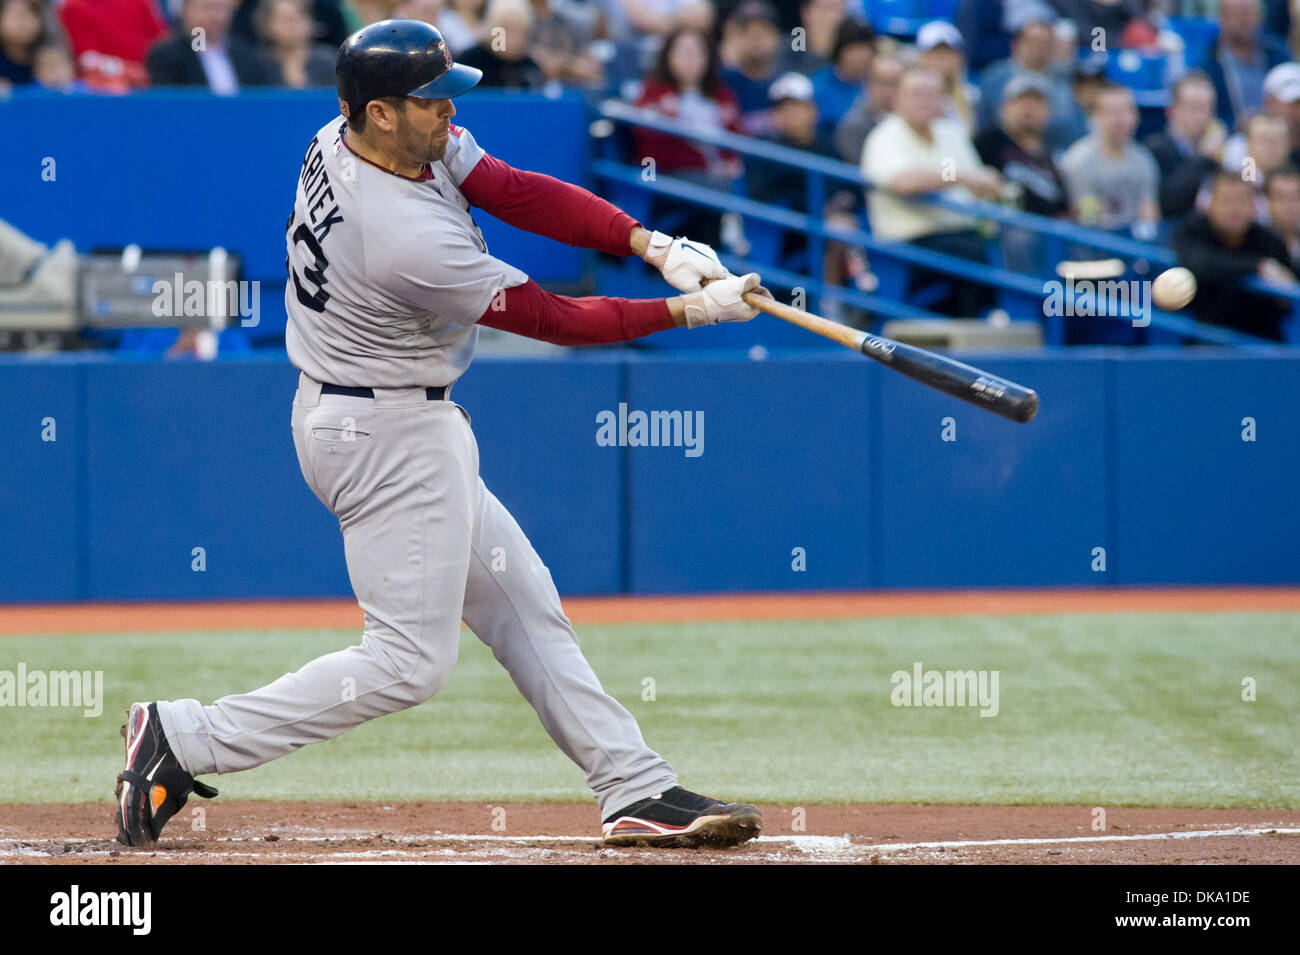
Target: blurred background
{"x":151,"y":151}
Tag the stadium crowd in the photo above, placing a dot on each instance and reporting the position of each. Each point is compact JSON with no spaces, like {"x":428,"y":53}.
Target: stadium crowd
{"x":1194,"y":140}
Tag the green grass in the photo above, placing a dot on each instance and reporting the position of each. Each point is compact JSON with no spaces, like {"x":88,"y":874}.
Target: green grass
{"x":1117,"y":709}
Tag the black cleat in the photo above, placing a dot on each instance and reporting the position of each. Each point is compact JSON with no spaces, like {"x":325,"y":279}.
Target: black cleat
{"x":681,"y":819}
{"x":153,"y":787}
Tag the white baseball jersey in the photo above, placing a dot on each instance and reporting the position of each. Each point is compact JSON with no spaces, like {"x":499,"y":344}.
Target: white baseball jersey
{"x":387,"y":275}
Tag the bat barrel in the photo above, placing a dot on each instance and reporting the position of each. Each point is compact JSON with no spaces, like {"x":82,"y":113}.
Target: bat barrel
{"x":952,"y":377}
{"x":979,"y":388}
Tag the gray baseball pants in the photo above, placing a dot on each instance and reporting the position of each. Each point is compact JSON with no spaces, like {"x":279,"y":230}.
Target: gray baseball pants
{"x":420,"y":532}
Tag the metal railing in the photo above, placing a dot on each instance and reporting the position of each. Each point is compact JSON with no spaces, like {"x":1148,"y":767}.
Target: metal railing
{"x":1057,"y":235}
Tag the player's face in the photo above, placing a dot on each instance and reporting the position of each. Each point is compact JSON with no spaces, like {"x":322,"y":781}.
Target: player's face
{"x":424,"y":129}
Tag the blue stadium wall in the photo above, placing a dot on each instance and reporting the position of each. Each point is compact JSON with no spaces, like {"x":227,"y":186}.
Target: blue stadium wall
{"x":816,"y":454}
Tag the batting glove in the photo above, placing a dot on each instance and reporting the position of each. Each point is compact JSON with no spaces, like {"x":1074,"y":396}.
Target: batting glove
{"x":720,"y":301}
{"x":686,"y":265}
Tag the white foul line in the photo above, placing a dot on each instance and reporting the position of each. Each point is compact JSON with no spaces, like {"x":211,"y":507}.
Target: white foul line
{"x":1148,"y":837}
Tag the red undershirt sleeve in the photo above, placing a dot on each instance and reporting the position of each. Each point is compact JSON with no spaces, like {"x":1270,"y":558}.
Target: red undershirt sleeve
{"x":533,"y":312}
{"x":547,"y":206}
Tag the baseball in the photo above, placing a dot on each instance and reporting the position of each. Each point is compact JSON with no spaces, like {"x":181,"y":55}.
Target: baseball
{"x":1173,"y":289}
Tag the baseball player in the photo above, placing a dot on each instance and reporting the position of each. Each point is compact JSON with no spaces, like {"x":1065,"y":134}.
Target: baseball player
{"x":389,"y":279}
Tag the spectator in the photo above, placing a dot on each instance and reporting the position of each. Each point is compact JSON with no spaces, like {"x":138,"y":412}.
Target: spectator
{"x":1282,"y":99}
{"x":980,"y":22}
{"x":286,"y":27}
{"x":1065,"y":42}
{"x":222,"y":62}
{"x":1254,"y":157}
{"x":941,"y":50}
{"x":1283,"y":189}
{"x":1088,"y":79}
{"x":1031,"y":179}
{"x":1240,"y":59}
{"x":52,"y":69}
{"x":914,"y":151}
{"x":504,"y":57}
{"x":838,"y":84}
{"x":753,"y":43}
{"x":1113,"y":181}
{"x":329,"y":24}
{"x":1017,"y":151}
{"x":1031,"y":52}
{"x":463,"y":25}
{"x":794,"y":124}
{"x":559,"y":41}
{"x":870,"y":108}
{"x":820,"y":20}
{"x":1190,"y":148}
{"x":22,"y":33}
{"x":109,"y":39}
{"x":1225,"y":245}
{"x":685,"y":84}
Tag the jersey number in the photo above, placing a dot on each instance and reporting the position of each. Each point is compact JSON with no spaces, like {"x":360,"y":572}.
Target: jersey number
{"x":314,"y":274}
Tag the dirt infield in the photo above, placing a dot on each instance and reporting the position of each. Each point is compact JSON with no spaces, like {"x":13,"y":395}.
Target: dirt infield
{"x":344,"y":614}
{"x":258,"y":833}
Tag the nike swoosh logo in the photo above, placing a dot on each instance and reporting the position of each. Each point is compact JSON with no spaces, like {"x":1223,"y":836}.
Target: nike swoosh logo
{"x":694,"y":249}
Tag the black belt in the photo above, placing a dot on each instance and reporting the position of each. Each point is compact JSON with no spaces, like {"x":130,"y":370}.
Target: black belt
{"x":431,"y":393}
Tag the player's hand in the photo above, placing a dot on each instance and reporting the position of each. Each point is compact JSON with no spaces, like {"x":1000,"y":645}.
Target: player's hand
{"x":686,"y":265}
{"x":721,"y":301}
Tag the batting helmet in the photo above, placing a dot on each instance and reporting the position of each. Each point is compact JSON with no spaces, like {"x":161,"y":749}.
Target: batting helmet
{"x":398,"y":58}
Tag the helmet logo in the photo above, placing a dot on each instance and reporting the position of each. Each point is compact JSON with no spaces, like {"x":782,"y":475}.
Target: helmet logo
{"x":446,"y":56}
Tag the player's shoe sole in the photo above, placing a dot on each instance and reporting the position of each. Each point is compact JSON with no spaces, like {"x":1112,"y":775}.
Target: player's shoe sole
{"x":718,"y":831}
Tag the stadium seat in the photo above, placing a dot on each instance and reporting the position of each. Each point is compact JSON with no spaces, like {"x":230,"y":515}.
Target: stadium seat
{"x":893,"y":277}
{"x":900,"y":18}
{"x":1143,"y":73}
{"x":1198,"y":38}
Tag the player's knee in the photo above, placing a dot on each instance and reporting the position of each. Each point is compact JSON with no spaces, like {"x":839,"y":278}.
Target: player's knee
{"x":431,"y":672}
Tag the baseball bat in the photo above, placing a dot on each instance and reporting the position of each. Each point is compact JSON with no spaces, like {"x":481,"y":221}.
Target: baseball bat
{"x":979,"y":388}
